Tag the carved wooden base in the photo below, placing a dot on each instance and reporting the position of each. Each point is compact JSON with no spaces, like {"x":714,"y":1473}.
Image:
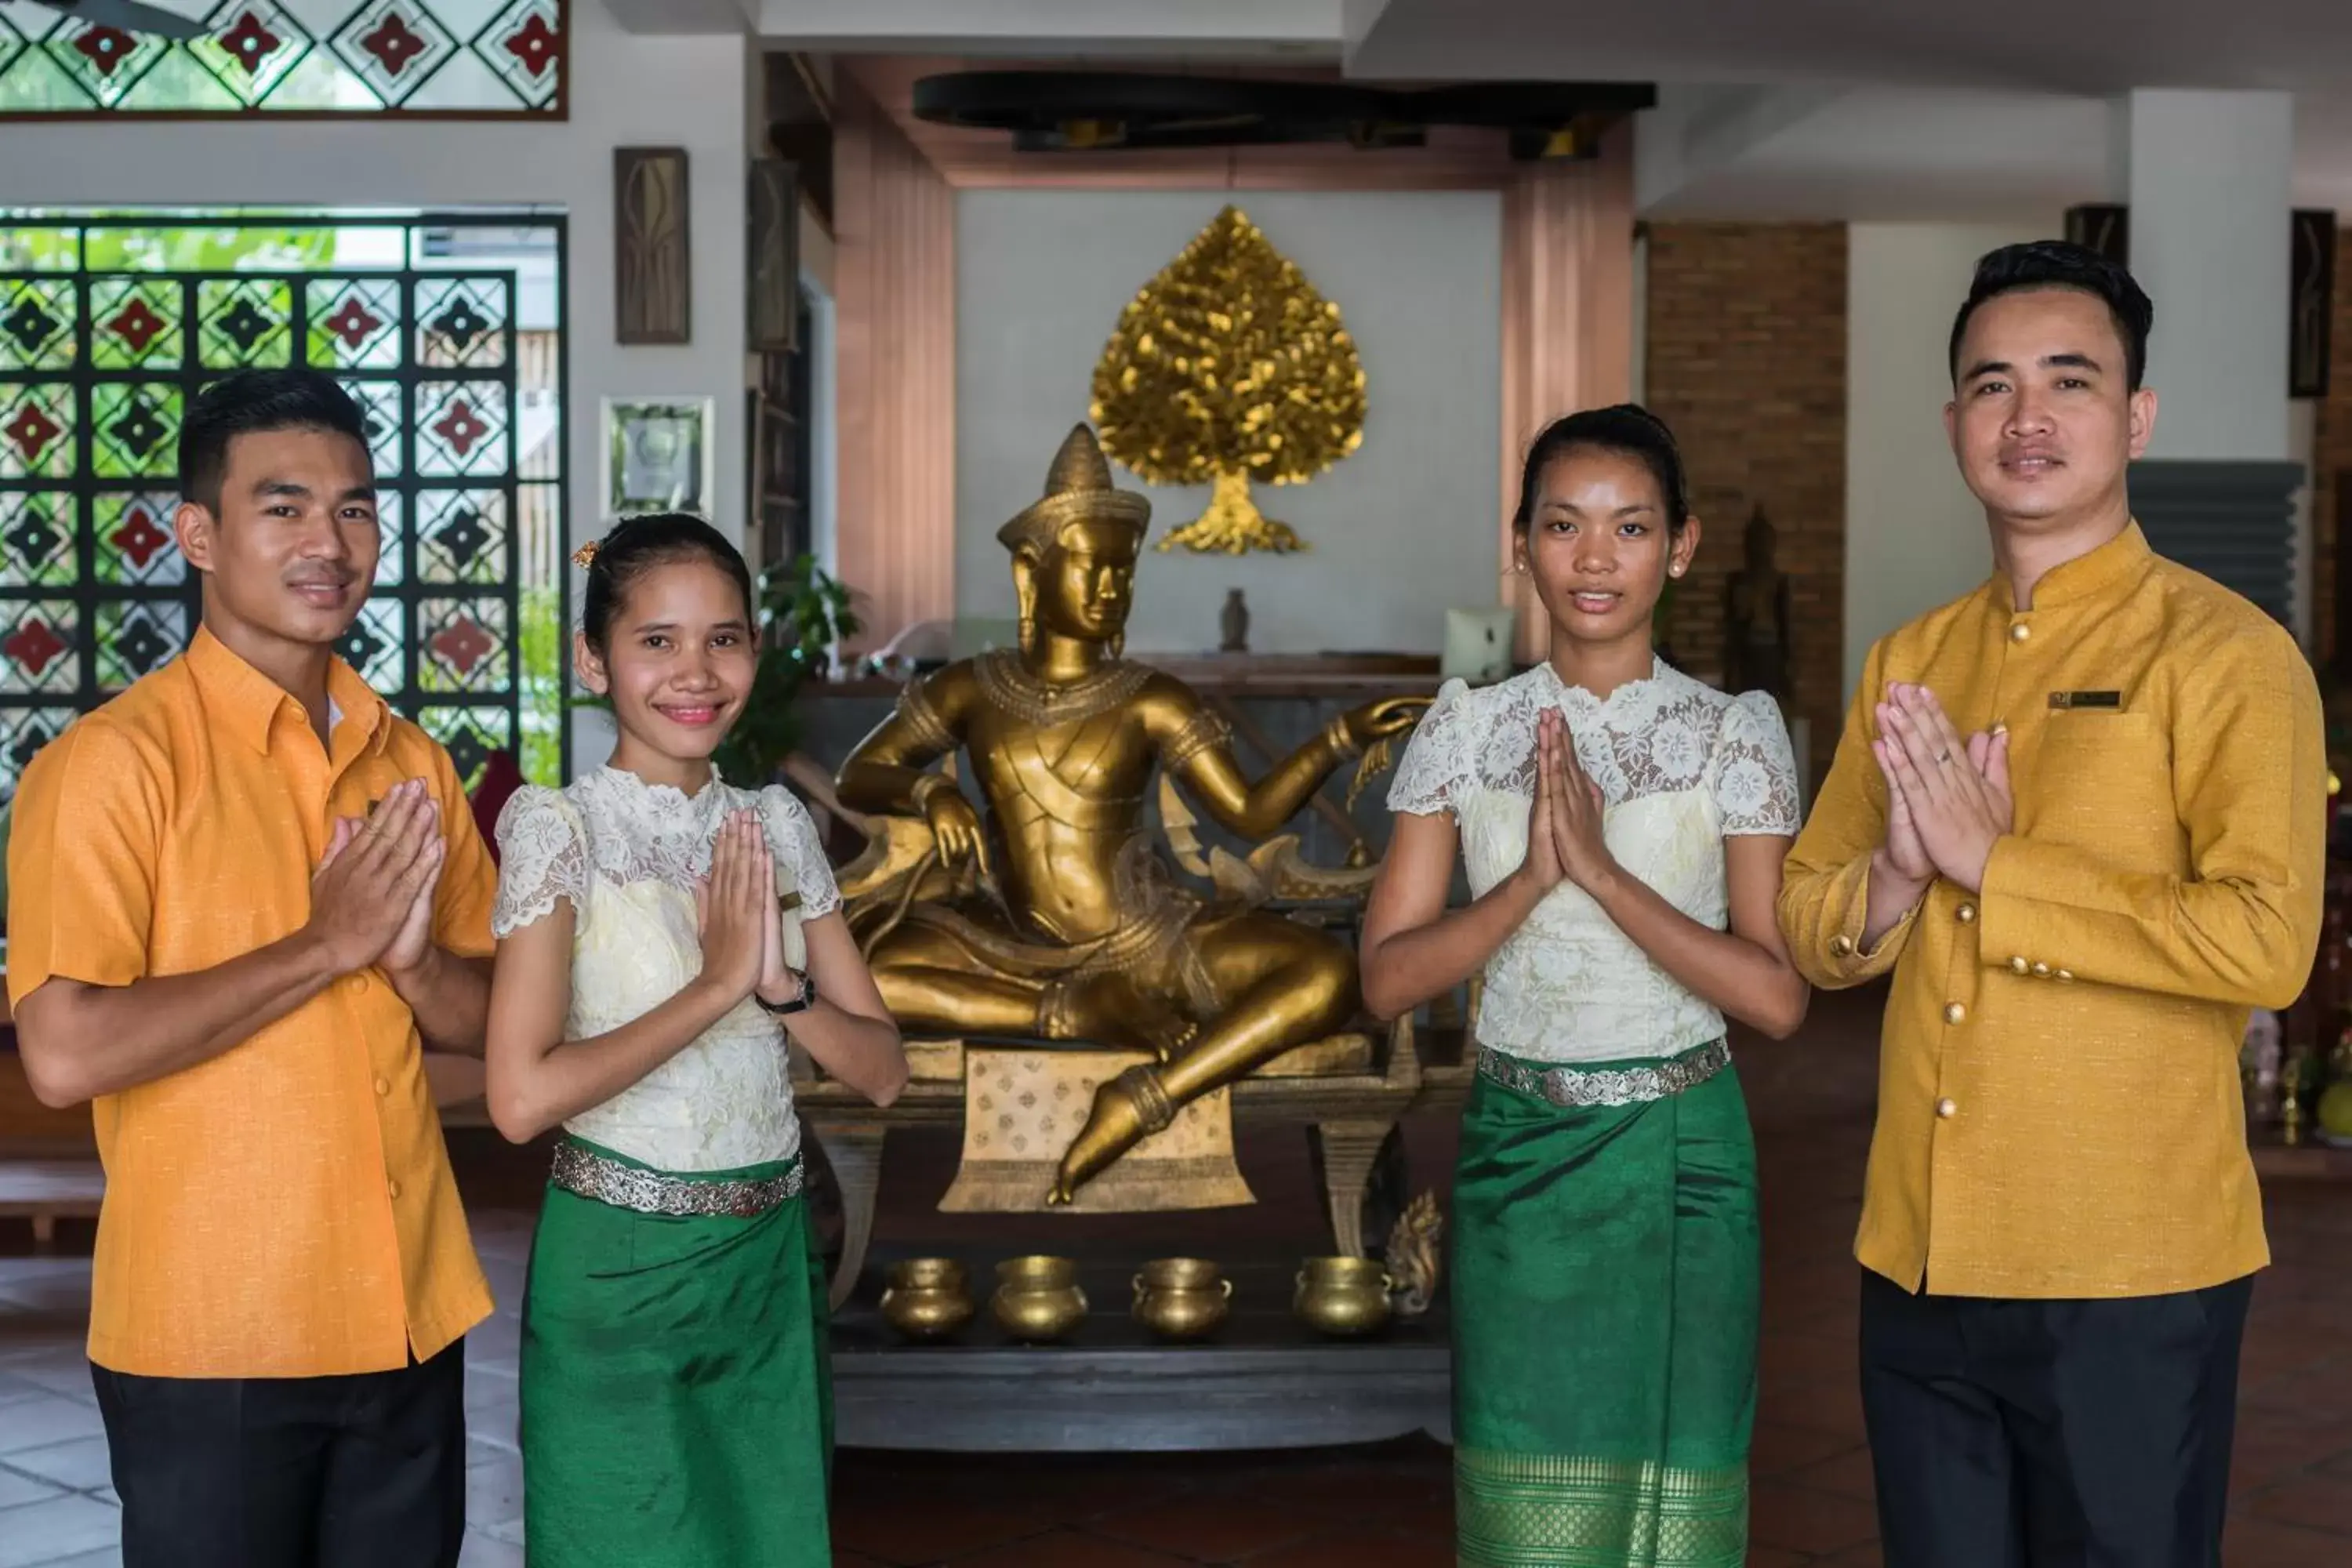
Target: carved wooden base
{"x":855,"y":1155}
{"x":1351,"y":1119}
{"x":1345,"y":1153}
{"x":1263,"y":1380}
{"x":1014,"y":1399}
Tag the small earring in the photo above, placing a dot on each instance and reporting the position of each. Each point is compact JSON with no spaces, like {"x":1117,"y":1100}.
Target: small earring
{"x":1674,"y":571}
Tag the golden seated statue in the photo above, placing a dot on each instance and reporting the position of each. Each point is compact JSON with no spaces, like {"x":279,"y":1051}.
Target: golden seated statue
{"x":1054,"y":914}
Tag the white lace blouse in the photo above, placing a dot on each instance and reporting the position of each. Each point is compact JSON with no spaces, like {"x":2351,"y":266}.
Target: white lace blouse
{"x":626,"y":854}
{"x":1680,"y":766}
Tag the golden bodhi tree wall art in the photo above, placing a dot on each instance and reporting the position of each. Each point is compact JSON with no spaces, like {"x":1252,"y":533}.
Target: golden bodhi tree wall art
{"x":1228,"y":367}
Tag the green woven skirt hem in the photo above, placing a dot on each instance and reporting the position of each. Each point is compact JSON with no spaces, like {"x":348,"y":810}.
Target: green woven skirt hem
{"x":1524,"y":1511}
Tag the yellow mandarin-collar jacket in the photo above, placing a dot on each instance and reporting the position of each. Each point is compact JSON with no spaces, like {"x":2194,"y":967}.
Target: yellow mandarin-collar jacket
{"x":2059,"y":1104}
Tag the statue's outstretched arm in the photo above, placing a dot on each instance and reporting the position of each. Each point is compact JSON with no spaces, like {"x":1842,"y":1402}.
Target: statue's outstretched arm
{"x":884,"y":773}
{"x":1195,"y":746}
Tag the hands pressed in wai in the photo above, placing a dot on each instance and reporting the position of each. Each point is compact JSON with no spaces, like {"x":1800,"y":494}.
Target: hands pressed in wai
{"x":1949,"y":798}
{"x":1564,"y":824}
{"x":740,"y":920}
{"x":371,"y":896}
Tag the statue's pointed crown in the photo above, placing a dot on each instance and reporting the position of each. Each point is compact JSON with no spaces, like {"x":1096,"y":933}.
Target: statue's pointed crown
{"x":1079,"y":489}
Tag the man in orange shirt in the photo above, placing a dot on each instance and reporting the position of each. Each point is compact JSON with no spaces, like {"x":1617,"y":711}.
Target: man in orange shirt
{"x":241,"y":893}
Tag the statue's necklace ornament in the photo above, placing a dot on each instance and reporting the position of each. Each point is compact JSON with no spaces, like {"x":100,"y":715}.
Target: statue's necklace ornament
{"x":1009,"y":685}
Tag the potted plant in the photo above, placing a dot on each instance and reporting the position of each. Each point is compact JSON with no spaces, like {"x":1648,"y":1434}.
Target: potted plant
{"x":805,"y":612}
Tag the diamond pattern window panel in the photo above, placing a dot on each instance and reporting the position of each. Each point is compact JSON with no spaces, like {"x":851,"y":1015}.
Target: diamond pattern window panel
{"x":380,"y":414}
{"x":137,"y":637}
{"x":461,"y":429}
{"x":37,"y":539}
{"x":37,"y":427}
{"x":461,"y":322}
{"x":484,"y":59}
{"x":247,"y":322}
{"x":133,"y":536}
{"x":354,"y":323}
{"x":392,"y":534}
{"x":135,"y":323}
{"x":462,"y":537}
{"x":37,"y":324}
{"x":107,"y":332}
{"x":135,"y":429}
{"x":37,"y":642}
{"x":373,"y":645}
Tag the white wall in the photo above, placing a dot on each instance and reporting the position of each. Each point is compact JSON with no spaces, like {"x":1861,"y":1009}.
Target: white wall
{"x":625,"y":90}
{"x":1915,"y":537}
{"x":1402,"y":531}
{"x":2212,"y":178}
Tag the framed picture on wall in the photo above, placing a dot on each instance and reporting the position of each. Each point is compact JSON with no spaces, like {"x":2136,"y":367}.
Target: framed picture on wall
{"x":658,"y":455}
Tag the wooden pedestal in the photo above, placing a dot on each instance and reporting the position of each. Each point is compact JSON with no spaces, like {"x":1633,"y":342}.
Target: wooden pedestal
{"x":1348,"y":1117}
{"x":1264,"y":1381}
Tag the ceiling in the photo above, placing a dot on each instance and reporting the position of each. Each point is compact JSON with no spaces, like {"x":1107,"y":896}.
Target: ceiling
{"x":1897,"y":110}
{"x":2081,"y":47}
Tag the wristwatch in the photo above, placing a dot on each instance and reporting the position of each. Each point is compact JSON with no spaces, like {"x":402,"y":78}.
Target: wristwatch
{"x":800,"y":1003}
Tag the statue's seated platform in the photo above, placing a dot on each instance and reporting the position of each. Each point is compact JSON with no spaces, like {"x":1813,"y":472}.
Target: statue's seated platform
{"x":1346,"y":1093}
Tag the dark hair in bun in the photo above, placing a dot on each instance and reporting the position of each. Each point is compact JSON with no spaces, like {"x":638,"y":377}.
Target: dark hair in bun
{"x":1628,"y":429}
{"x":637,"y":544}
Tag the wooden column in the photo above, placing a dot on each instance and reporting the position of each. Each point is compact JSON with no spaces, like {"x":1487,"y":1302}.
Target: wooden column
{"x":895,"y":282}
{"x":1568,"y":317}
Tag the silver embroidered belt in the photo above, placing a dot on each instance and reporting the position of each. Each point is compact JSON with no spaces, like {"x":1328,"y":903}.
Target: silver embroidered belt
{"x":1574,"y":1087}
{"x":588,"y":1175}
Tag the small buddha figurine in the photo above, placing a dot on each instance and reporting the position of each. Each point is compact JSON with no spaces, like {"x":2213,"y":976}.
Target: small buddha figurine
{"x":1756,"y":655}
{"x":1234,"y":622}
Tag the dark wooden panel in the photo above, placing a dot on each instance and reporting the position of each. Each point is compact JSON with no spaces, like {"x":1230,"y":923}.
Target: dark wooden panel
{"x":653,"y":296}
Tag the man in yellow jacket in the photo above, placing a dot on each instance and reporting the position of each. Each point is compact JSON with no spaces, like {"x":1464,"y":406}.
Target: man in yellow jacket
{"x":2080,"y":815}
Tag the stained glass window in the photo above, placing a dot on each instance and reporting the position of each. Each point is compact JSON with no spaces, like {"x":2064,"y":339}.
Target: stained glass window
{"x":445,"y":330}
{"x":473,"y":57}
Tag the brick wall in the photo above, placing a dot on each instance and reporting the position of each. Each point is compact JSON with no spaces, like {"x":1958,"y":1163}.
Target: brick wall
{"x":1747,"y":363}
{"x":2331,"y":456}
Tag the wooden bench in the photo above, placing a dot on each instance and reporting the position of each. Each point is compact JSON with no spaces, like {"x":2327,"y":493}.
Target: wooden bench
{"x":46,"y":1190}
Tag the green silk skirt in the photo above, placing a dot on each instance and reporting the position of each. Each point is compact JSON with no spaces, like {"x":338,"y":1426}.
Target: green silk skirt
{"x":677,"y":1407}
{"x":1605,"y":1299}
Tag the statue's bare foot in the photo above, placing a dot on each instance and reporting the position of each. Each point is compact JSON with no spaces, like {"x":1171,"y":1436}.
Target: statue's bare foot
{"x":1124,"y":1015}
{"x":1114,"y":1125}
{"x":1167,"y":1035}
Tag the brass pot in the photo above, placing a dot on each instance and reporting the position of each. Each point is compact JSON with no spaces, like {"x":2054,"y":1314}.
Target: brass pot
{"x":1182,"y":1298}
{"x":928,"y":1298}
{"x":1037,"y":1299}
{"x":1342,"y":1295}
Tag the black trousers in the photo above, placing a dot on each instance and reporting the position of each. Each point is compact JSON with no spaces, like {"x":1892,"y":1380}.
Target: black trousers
{"x":360,"y":1471}
{"x":2051,"y":1434}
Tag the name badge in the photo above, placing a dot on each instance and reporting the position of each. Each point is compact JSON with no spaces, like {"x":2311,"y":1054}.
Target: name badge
{"x":2069,"y":700}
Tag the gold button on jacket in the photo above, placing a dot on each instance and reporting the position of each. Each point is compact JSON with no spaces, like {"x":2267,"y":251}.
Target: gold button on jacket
{"x":2167,"y":760}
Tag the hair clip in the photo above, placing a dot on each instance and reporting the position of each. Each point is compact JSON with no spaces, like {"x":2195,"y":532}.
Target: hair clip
{"x":585,"y":556}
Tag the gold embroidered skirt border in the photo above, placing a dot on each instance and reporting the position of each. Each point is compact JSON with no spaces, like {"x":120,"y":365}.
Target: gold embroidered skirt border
{"x":585,"y":1173}
{"x":1543,"y":1511}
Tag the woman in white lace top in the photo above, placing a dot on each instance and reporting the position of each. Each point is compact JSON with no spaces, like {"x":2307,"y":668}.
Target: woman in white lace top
{"x":1623,"y":826}
{"x":660,"y":932}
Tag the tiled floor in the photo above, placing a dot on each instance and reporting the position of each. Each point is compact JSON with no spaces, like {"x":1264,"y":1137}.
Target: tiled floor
{"x":1384,"y":1507}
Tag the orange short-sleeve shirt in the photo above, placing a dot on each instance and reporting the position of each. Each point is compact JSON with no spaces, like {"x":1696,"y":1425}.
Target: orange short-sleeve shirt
{"x":286,"y":1208}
